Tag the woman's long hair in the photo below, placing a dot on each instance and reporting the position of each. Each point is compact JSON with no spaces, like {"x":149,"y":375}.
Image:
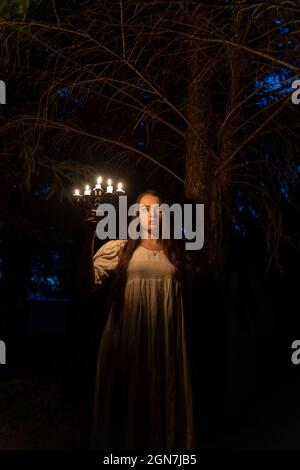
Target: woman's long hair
{"x":172,"y":250}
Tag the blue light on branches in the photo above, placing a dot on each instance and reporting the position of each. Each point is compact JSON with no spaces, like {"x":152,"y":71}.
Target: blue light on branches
{"x":42,"y":192}
{"x":63,"y":92}
{"x":273,"y":85}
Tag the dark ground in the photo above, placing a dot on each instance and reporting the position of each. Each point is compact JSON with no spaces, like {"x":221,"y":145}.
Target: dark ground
{"x":46,"y":403}
{"x":246,"y":388}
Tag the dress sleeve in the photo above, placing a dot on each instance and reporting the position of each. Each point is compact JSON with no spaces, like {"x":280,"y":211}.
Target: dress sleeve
{"x":106,"y":260}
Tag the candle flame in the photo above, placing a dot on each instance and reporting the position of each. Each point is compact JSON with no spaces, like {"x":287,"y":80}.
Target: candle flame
{"x":109,"y":182}
{"x":87,"y":187}
{"x":76,"y":192}
{"x":120,"y":185}
{"x":99,"y":179}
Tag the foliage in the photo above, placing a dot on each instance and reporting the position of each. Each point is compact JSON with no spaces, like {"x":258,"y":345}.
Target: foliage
{"x":114,"y":78}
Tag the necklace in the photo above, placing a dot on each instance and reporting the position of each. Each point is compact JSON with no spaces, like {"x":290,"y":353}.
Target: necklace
{"x":149,"y":249}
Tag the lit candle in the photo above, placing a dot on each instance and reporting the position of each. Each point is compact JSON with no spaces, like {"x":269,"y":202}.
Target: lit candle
{"x":77,"y":195}
{"x":99,"y":181}
{"x":87,"y":191}
{"x":120,"y":189}
{"x":98,"y":190}
{"x":109,"y":188}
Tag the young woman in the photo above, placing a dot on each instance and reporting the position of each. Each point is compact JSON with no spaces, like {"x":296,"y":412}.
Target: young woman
{"x":143,"y":396}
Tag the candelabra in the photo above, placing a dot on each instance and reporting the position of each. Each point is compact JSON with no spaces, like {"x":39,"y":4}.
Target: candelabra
{"x":90,"y":199}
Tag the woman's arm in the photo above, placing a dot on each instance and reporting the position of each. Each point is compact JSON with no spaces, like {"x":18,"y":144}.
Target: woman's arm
{"x":95,"y":269}
{"x":86,"y":272}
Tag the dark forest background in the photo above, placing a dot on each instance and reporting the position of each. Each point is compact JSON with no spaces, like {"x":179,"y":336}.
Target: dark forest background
{"x":192,"y":99}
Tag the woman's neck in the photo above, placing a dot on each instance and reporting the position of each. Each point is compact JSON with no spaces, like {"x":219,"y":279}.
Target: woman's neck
{"x":152,"y":244}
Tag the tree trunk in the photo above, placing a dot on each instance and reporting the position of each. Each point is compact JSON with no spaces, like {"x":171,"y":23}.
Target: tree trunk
{"x":201,"y":184}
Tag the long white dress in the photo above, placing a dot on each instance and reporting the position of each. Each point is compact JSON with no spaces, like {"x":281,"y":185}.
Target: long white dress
{"x":143,"y":396}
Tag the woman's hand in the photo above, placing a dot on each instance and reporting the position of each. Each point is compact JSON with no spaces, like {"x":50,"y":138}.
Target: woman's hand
{"x":90,"y":223}
{"x":86,"y":275}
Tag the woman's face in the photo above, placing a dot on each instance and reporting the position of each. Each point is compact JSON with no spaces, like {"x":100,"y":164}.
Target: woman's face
{"x":150,"y":215}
